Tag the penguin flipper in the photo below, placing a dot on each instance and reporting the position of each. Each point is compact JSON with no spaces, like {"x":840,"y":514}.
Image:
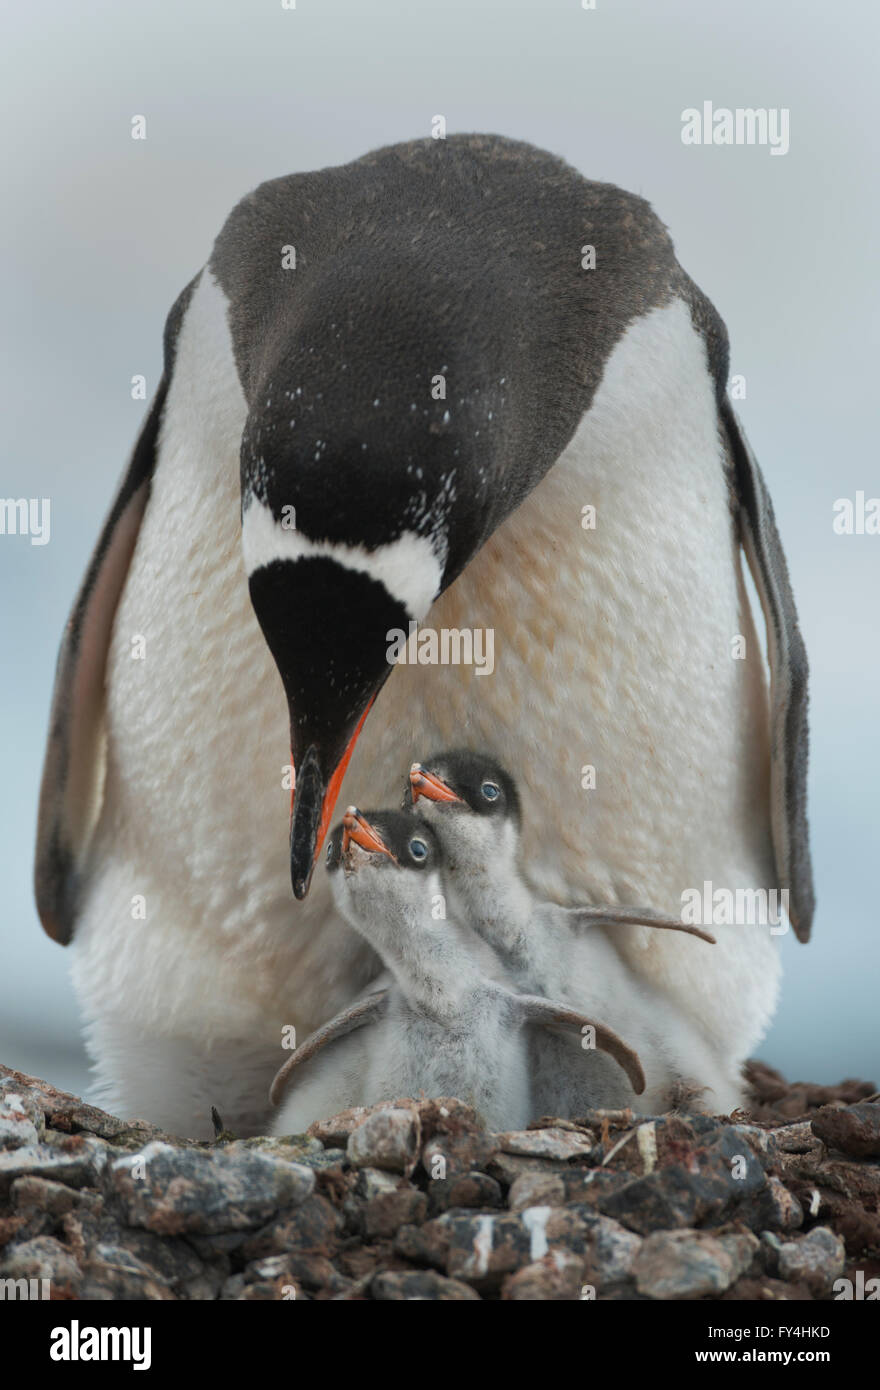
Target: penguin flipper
{"x":70,"y":790}
{"x":357,"y":1015}
{"x":545,"y":1013}
{"x":615,"y":915}
{"x":789,"y":733}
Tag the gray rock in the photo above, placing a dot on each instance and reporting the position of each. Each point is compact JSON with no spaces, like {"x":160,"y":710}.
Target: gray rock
{"x":614,"y":1251}
{"x":303,"y":1270}
{"x":420,"y":1286}
{"x":43,"y":1258}
{"x":386,"y":1213}
{"x":328,"y":1158}
{"x":293,"y":1148}
{"x":314,"y":1225}
{"x":796,"y":1139}
{"x":463,"y":1150}
{"x":288,"y":1276}
{"x":854,"y":1130}
{"x":553,"y":1143}
{"x":373,"y":1182}
{"x":691,"y":1264}
{"x":508,"y":1167}
{"x":18,"y":1098}
{"x":465,"y":1190}
{"x":78,"y":1163}
{"x":780,"y":1209}
{"x":115,"y":1273}
{"x":770,"y":1248}
{"x":52,"y":1197}
{"x":483,"y":1248}
{"x":559,"y":1275}
{"x":205,"y":1192}
{"x":536,"y":1188}
{"x":20,"y":1122}
{"x":815,"y":1260}
{"x":761,"y":1140}
{"x":387,"y":1139}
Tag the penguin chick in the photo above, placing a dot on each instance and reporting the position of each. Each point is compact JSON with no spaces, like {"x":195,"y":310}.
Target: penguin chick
{"x":473,"y":804}
{"x":445,"y":1024}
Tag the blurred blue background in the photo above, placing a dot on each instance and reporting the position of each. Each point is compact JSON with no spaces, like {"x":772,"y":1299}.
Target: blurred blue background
{"x":100,"y":232}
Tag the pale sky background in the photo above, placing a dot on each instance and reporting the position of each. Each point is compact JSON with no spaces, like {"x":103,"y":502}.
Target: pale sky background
{"x":101,"y":232}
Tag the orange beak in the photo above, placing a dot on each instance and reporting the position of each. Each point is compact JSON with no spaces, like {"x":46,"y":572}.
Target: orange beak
{"x":357,"y":829}
{"x":424,"y":783}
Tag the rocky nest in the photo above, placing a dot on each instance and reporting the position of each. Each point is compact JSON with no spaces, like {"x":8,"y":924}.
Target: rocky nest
{"x":415,"y":1200}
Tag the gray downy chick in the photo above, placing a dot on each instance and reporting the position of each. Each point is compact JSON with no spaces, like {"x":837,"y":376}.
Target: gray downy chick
{"x":472,"y":803}
{"x":441,"y":1022}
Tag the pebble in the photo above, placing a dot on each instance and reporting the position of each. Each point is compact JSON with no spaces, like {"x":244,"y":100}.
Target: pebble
{"x":691,"y":1264}
{"x":420,"y":1286}
{"x":816,"y":1259}
{"x":175,"y":1190}
{"x":76,"y":1162}
{"x":558,"y":1144}
{"x":388,"y":1139}
{"x":854,"y":1131}
{"x":21,"y":1122}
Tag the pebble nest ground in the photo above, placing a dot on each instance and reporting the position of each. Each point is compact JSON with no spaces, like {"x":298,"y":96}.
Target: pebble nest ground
{"x":416,"y":1200}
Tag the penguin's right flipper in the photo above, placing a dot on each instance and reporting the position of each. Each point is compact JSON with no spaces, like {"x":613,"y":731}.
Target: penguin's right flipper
{"x":614,"y":915}
{"x":357,"y":1015}
{"x":558,"y":1017}
{"x":72,"y":769}
{"x":789,"y":734}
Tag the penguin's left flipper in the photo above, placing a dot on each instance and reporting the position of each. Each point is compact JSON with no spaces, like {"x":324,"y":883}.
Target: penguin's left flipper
{"x":357,"y":1015}
{"x":789,"y":734}
{"x":613,"y":915}
{"x":545,"y":1013}
{"x":72,"y":769}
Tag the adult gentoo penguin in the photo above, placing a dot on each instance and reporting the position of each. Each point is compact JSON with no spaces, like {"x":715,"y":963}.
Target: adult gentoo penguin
{"x":298,"y":492}
{"x":448,"y":1024}
{"x":473,"y":806}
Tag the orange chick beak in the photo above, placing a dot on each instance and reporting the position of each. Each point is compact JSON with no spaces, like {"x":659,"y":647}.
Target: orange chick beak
{"x":425,"y":783}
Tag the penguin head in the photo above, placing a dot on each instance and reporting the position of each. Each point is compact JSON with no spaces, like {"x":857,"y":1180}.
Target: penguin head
{"x":363,"y":498}
{"x":473,"y":804}
{"x":383,"y":864}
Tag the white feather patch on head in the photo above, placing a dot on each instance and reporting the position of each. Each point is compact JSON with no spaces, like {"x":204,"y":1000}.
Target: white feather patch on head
{"x":408,"y":568}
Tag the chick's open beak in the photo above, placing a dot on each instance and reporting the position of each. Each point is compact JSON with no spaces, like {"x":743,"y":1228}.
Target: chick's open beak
{"x":425,"y":783}
{"x":357,"y":830}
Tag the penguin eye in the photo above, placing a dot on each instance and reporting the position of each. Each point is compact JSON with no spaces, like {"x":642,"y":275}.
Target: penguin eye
{"x":329,"y":851}
{"x":490,"y":791}
{"x":418,"y":849}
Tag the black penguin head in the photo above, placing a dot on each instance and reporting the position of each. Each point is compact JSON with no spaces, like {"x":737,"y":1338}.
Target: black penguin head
{"x":361,"y":502}
{"x":460,"y":780}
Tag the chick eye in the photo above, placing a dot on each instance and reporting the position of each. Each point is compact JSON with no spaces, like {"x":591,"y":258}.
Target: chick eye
{"x":490,"y":791}
{"x":418,"y":849}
